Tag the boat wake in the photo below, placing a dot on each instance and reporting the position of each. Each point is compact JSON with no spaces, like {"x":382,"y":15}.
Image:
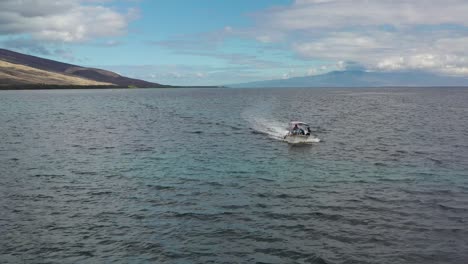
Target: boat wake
{"x":272,"y":128}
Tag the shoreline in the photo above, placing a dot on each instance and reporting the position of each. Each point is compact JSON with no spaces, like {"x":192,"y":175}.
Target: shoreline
{"x":90,"y":87}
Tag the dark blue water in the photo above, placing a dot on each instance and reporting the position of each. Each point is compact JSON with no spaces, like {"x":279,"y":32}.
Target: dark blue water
{"x":200,"y":176}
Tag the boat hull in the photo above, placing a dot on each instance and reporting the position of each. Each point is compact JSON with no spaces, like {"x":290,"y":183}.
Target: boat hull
{"x":297,"y":139}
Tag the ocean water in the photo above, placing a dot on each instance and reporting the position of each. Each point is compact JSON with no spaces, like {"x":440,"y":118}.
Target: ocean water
{"x":202,"y":176}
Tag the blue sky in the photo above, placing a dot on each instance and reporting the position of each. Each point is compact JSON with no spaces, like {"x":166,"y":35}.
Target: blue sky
{"x":214,"y":42}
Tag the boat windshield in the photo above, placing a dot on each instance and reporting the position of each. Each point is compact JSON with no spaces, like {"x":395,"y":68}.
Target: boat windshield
{"x":299,"y":128}
{"x":300,"y":125}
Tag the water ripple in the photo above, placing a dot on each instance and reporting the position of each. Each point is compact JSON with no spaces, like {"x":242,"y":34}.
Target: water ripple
{"x":187,"y":176}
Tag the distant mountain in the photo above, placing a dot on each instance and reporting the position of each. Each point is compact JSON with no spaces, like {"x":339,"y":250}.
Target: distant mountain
{"x":362,"y":79}
{"x":17,"y":69}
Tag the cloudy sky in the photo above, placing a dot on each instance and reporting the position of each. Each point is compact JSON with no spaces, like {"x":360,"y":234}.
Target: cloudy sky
{"x":213,"y":42}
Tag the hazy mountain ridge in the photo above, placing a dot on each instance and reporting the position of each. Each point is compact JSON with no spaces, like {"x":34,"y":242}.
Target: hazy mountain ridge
{"x":21,"y":69}
{"x":358,"y":78}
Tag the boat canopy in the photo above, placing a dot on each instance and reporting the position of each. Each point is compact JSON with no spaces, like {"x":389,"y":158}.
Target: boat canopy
{"x":298,"y":123}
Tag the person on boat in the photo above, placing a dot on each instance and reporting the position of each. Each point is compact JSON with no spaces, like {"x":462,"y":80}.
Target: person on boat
{"x":295,"y":130}
{"x":308,"y":131}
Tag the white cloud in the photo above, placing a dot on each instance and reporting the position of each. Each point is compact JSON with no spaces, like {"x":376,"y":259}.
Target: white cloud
{"x":340,"y":45}
{"x":201,"y":75}
{"x":65,"y":21}
{"x":454,"y":44}
{"x":379,"y":35}
{"x":393,"y":63}
{"x":386,"y":35}
{"x":312,"y":71}
{"x":307,"y":14}
{"x":447,"y":64}
{"x":175,"y":74}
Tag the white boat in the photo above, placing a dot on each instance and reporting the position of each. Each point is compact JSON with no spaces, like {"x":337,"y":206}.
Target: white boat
{"x":298,"y":132}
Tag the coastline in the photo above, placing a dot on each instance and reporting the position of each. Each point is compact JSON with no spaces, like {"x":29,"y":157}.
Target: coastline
{"x":76,"y":87}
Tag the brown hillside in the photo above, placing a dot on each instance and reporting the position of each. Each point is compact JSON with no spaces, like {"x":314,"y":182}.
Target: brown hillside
{"x":97,"y":75}
{"x":16,"y":74}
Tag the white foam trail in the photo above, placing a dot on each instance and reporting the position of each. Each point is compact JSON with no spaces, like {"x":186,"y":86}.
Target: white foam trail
{"x":274,"y":129}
